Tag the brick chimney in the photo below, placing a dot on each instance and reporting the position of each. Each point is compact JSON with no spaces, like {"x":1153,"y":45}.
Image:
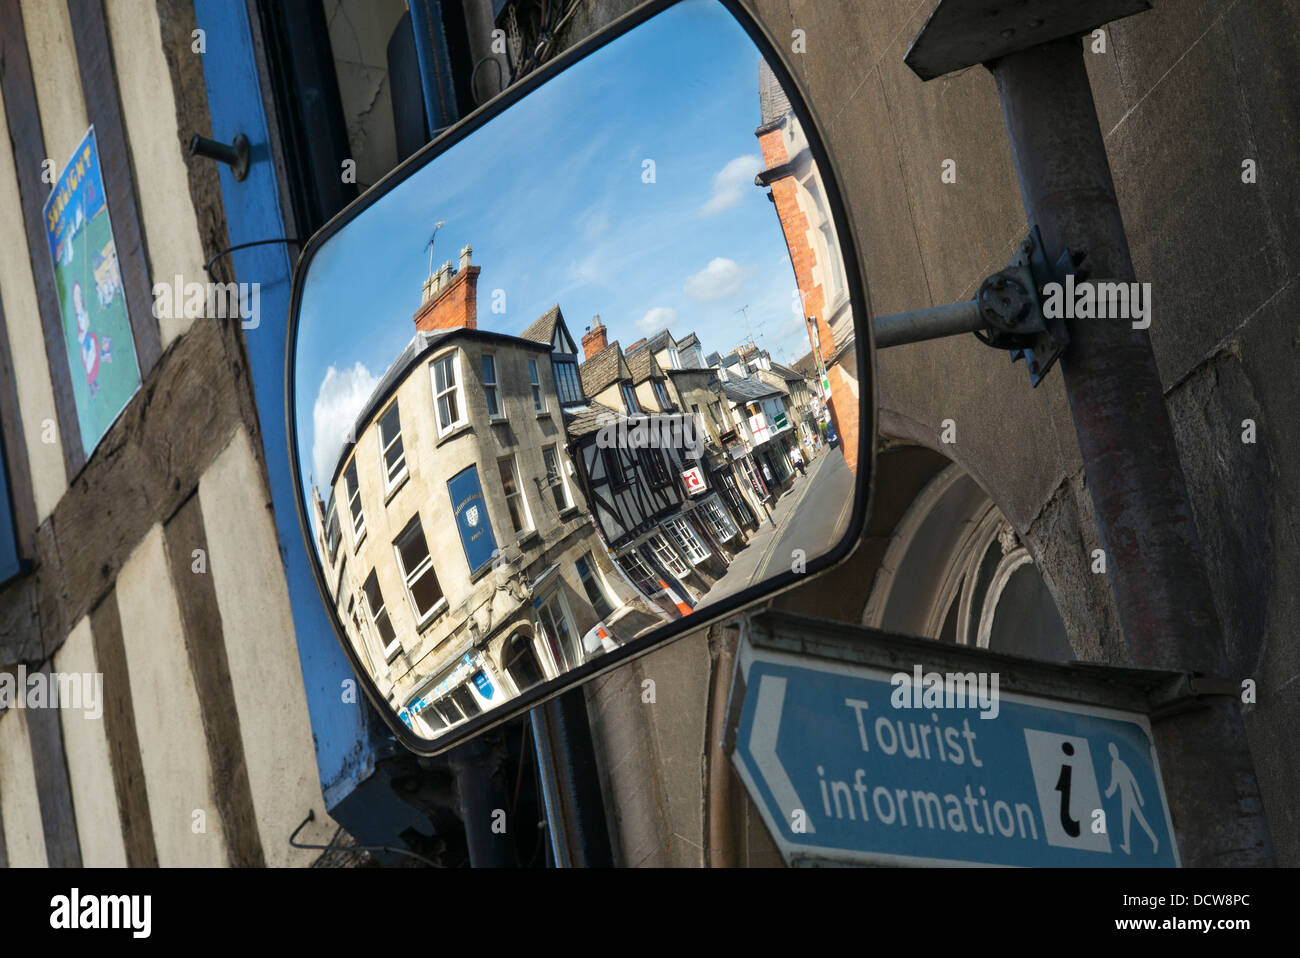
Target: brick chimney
{"x":449,"y":299}
{"x":595,"y":339}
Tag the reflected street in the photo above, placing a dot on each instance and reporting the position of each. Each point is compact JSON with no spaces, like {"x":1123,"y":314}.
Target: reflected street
{"x":813,"y":512}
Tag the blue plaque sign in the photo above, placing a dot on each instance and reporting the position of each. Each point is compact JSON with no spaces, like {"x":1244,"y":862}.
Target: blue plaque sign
{"x":472,"y":518}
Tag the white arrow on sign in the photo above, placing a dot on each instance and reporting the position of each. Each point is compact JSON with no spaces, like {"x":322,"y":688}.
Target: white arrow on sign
{"x":762,"y":747}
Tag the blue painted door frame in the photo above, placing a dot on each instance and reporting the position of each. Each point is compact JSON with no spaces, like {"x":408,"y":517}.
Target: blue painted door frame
{"x":349,"y":739}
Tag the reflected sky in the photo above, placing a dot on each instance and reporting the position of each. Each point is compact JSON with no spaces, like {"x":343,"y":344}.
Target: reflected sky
{"x":551,"y":196}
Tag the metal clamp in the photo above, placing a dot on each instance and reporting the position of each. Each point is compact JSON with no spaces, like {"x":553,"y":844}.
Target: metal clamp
{"x":1047,"y":343}
{"x":1187,"y":690}
{"x":1009,"y":305}
{"x":1006,"y":313}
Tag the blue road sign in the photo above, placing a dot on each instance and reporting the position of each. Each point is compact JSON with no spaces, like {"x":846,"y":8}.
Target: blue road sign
{"x":851,"y":764}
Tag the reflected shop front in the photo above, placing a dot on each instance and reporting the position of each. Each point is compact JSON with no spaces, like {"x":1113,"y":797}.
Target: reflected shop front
{"x":532,"y":424}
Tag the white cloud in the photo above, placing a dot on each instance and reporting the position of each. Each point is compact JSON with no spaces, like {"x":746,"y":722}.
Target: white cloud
{"x":732,"y":183}
{"x":341,"y":396}
{"x":661,"y":317}
{"x":720,"y":279}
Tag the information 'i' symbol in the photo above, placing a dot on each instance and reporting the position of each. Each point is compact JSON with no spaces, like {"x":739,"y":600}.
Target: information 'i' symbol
{"x":1070,"y":825}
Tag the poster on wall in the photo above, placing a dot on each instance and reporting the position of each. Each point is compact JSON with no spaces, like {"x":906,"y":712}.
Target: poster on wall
{"x":92,"y":306}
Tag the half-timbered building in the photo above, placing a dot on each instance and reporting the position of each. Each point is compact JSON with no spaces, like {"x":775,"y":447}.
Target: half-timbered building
{"x":639,"y":461}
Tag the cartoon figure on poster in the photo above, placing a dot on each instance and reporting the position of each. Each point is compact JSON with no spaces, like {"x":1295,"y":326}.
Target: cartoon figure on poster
{"x":84,"y":256}
{"x":89,"y":341}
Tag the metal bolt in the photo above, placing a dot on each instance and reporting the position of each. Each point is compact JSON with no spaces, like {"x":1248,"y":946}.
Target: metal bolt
{"x":234,"y":155}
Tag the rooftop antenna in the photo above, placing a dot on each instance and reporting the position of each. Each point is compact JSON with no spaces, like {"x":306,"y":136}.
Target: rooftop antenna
{"x":436,"y":226}
{"x":745,"y":309}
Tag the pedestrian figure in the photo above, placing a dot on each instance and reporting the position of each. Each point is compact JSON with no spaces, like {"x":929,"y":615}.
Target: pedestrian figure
{"x":797,"y":458}
{"x":1130,"y":798}
{"x":767,"y":474}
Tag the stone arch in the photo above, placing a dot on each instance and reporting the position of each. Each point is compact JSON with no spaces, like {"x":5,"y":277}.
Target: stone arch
{"x":953,"y":568}
{"x":518,"y":658}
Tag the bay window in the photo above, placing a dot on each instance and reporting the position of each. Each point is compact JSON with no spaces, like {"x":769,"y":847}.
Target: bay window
{"x":687,"y":540}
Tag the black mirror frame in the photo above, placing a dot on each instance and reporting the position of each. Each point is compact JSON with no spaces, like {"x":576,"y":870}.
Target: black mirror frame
{"x":728,"y":607}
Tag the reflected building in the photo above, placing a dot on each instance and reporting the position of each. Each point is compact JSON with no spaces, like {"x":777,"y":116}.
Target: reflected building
{"x":795,"y":187}
{"x":800,"y":400}
{"x":699,"y":391}
{"x":765,"y":401}
{"x":764,"y":428}
{"x":456,"y":540}
{"x":642,"y":466}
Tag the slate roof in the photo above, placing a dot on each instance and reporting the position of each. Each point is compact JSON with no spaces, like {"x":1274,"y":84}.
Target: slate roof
{"x":421,"y":344}
{"x":807,"y":365}
{"x":543,"y":328}
{"x":602,"y":369}
{"x":773,"y":104}
{"x":788,"y":374}
{"x":686,"y":352}
{"x":582,"y":421}
{"x":660,"y":340}
{"x":713,"y":359}
{"x":748,"y":390}
{"x":642,"y":366}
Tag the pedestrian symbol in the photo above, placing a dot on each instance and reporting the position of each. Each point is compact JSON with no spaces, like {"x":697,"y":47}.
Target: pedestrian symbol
{"x":1121,"y":777}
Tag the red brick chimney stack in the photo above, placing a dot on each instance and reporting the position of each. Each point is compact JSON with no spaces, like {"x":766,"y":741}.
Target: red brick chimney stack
{"x":450,"y":297}
{"x":595,"y":339}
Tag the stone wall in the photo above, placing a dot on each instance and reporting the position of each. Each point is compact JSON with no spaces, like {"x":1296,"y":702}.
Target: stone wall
{"x":1186,"y":93}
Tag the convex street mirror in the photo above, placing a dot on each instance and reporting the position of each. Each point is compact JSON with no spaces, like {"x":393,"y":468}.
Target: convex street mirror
{"x":570,"y":381}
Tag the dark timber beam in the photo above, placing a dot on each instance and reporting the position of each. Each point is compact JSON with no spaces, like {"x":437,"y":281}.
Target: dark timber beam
{"x":28,"y":141}
{"x":104,"y":110}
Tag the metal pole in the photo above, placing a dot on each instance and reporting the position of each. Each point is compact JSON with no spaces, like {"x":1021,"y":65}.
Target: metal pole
{"x":1130,"y":457}
{"x":575,"y":808}
{"x":550,"y":800}
{"x":919,"y":325}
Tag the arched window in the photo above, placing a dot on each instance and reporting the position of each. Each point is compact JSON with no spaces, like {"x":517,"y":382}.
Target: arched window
{"x":956,"y":571}
{"x":521,"y":663}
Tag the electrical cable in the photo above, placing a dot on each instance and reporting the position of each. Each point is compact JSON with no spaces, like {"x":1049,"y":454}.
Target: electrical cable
{"x":311,"y":817}
{"x":473,"y":75}
{"x":207,"y":267}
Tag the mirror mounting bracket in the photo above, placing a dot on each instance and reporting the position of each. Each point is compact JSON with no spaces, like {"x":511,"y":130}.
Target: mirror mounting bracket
{"x":1007,"y":312}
